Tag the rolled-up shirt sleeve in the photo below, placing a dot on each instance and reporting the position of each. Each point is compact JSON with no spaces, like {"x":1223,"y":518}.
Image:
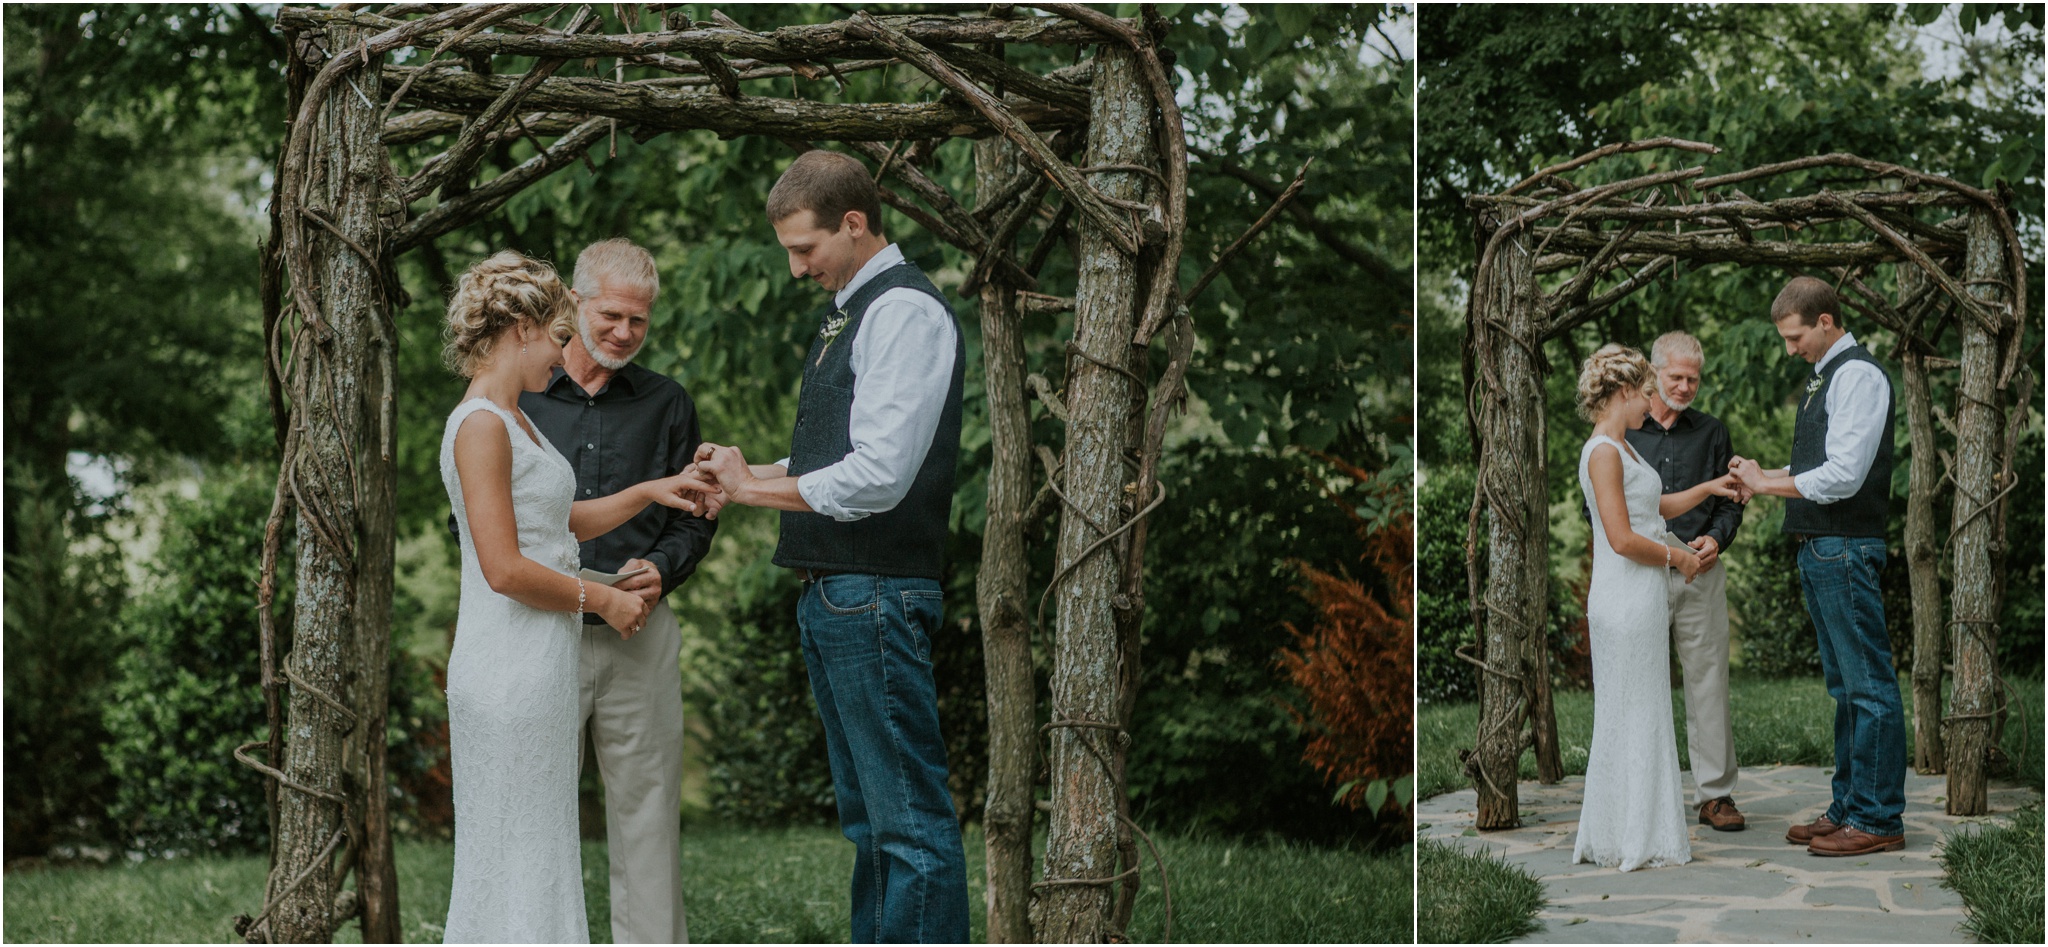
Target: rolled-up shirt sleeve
{"x":903,"y":368}
{"x":1858,"y":397}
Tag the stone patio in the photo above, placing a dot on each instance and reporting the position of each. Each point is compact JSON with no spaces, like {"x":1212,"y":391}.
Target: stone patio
{"x":1741,"y":887}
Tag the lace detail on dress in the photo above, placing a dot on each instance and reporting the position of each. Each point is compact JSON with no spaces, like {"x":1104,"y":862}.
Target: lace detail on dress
{"x":512,"y":719}
{"x":1634,"y":810}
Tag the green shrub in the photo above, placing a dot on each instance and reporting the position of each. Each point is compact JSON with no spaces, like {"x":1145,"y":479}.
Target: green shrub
{"x":1442,"y":608}
{"x":1997,"y":871}
{"x":64,"y":590}
{"x":767,"y":752}
{"x":188,"y":692}
{"x":1468,"y":897}
{"x":1772,"y":634}
{"x":1213,"y":745}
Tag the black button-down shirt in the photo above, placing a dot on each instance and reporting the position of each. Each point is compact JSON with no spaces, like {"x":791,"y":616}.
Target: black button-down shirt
{"x":1693,"y":450}
{"x":640,"y":426}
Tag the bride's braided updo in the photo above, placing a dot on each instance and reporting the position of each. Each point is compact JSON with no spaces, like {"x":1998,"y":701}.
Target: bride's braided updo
{"x":507,"y":289}
{"x":1613,"y":370}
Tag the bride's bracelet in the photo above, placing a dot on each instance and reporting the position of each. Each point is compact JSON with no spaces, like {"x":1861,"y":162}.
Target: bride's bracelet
{"x":1667,"y":557}
{"x":579,"y":595}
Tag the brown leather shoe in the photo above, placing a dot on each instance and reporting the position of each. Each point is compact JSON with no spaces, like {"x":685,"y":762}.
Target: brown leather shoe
{"x":1805,"y":834}
{"x":1849,"y":840}
{"x":1720,"y":815}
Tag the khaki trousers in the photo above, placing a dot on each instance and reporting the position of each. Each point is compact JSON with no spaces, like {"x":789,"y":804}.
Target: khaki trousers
{"x":633,"y":703}
{"x":1699,"y":636}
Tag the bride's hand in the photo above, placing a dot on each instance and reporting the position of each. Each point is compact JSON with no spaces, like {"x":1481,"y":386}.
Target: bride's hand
{"x":623,"y":611}
{"x":1686,"y":561}
{"x":1726,"y":485}
{"x":691,"y":491}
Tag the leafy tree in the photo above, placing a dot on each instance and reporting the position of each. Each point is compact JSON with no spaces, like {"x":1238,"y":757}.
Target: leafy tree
{"x":131,"y":163}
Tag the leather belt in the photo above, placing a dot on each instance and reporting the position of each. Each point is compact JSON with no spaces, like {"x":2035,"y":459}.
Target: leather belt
{"x":813,"y":575}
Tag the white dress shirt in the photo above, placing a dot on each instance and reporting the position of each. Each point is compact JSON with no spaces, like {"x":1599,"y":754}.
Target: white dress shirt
{"x":902,"y":369}
{"x":1858,"y":399}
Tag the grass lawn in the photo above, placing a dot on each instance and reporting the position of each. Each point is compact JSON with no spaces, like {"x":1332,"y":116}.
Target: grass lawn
{"x":1998,"y":873}
{"x":1777,"y":721}
{"x":1466,"y":897}
{"x":747,"y":886}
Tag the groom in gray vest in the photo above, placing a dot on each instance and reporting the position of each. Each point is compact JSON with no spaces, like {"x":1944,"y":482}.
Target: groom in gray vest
{"x":1837,"y":494}
{"x":866,"y":492}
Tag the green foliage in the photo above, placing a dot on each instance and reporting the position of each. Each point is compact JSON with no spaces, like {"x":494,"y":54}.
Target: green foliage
{"x":1213,"y":745}
{"x":1443,"y":608}
{"x":1443,"y":612}
{"x":131,"y":171}
{"x":1464,"y":896}
{"x":768,"y":764}
{"x":1997,"y":871}
{"x":64,"y":587}
{"x":126,"y":125}
{"x":1300,"y":342}
{"x":1773,"y":636}
{"x":189,"y":691}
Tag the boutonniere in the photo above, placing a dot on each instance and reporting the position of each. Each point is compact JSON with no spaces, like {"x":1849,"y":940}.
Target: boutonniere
{"x":1813,"y":386}
{"x":833,"y":325}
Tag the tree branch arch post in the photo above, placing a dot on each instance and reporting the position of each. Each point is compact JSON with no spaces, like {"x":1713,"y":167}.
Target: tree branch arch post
{"x":1983,"y":476}
{"x":341,"y":216}
{"x":1510,"y":592}
{"x":1566,"y":221}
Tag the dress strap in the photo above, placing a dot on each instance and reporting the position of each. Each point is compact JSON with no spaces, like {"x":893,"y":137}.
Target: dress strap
{"x":514,"y":431}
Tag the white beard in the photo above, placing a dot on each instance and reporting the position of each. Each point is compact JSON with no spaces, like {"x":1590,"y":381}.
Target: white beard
{"x":1675,"y":406}
{"x":590,"y":345}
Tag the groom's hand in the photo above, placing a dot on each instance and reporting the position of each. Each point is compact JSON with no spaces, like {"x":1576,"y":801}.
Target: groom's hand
{"x":647,"y":584}
{"x":729,"y":466}
{"x":1709,"y":550}
{"x":1749,"y":472}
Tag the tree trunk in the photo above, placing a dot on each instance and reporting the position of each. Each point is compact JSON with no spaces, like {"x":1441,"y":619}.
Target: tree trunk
{"x":1000,"y":594}
{"x":376,"y":872}
{"x":337,"y":361}
{"x":1924,"y":572}
{"x":1974,"y":610}
{"x":1081,"y":843}
{"x":1513,"y":595}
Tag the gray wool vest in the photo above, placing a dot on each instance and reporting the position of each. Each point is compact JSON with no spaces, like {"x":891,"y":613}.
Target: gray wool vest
{"x":909,"y":540}
{"x":1865,"y":513}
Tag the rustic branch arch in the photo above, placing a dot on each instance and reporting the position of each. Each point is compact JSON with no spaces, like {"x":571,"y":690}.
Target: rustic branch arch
{"x":1967,"y":271}
{"x":341,"y":214}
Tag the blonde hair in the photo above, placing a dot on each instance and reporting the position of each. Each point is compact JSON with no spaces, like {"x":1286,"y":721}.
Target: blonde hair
{"x":507,"y":289}
{"x":619,"y":260}
{"x":1613,"y":370}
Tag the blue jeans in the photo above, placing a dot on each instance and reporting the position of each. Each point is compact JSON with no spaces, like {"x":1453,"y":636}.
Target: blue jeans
{"x":1839,"y":575}
{"x":867,"y":642}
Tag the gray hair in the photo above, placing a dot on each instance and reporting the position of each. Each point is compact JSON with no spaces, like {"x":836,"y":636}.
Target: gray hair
{"x":1676,"y":343}
{"x":619,"y":260}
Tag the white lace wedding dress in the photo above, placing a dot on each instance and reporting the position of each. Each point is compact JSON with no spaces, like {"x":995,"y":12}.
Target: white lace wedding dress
{"x":1634,"y":813}
{"x":512,"y":719}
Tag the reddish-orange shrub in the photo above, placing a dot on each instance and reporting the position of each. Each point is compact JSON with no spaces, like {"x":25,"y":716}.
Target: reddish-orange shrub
{"x":1355,"y":667}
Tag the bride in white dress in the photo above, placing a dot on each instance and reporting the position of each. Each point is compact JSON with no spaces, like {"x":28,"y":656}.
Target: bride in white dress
{"x":1634,"y":814}
{"x":512,"y":676}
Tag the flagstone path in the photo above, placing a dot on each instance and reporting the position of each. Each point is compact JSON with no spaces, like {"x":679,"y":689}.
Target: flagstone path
{"x":1741,"y":887}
